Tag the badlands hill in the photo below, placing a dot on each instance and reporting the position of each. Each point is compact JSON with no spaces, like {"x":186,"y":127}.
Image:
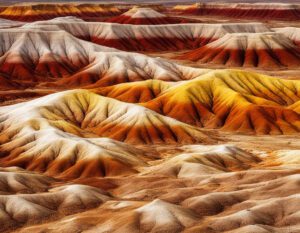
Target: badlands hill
{"x":198,"y":159}
{"x":292,"y":33}
{"x":232,"y":100}
{"x":144,"y":149}
{"x":193,"y":191}
{"x":31,"y":57}
{"x":42,"y":136}
{"x":148,"y":37}
{"x":66,"y":135}
{"x":145,"y":16}
{"x":28,"y":198}
{"x":33,"y":12}
{"x":6,"y":23}
{"x":262,"y":50}
{"x":135,"y":92}
{"x":271,"y":11}
{"x":88,"y":115}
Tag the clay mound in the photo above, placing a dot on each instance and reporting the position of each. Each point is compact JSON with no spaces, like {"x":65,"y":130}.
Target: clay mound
{"x":235,"y":101}
{"x":133,"y":216}
{"x":288,"y":157}
{"x":143,"y":16}
{"x":202,"y":160}
{"x":89,"y":115}
{"x":7,"y":84}
{"x":5,"y":23}
{"x":249,"y":207}
{"x":110,"y":68}
{"x":262,"y":50}
{"x":263,"y":198}
{"x":42,"y":137}
{"x":262,"y":214}
{"x":135,"y":92}
{"x":150,"y":37}
{"x":232,"y":100}
{"x":33,"y":56}
{"x":291,"y":32}
{"x":28,"y":209}
{"x":52,"y":57}
{"x":235,"y":190}
{"x":161,"y":216}
{"x":16,"y":181}
{"x":271,"y":11}
{"x":66,"y":156}
{"x":34,"y":12}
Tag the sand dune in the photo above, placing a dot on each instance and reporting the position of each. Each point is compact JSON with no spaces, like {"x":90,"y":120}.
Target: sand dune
{"x":262,"y":50}
{"x":35,"y":12}
{"x":272,"y":11}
